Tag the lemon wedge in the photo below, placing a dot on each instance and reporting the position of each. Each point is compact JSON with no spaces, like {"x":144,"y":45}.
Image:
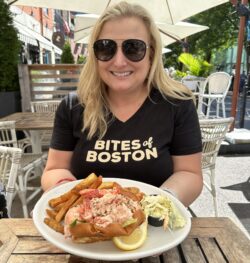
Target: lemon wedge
{"x":133,"y":241}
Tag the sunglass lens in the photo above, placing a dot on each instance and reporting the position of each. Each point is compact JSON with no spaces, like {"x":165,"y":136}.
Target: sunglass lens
{"x":105,"y":49}
{"x":134,"y":49}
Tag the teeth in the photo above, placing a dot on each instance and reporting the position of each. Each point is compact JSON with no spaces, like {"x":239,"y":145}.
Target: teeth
{"x":122,"y":74}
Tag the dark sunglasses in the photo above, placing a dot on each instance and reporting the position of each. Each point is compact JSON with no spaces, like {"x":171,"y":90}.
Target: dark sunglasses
{"x":133,"y":49}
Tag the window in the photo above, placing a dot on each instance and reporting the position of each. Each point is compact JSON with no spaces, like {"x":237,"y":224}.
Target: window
{"x":46,"y":11}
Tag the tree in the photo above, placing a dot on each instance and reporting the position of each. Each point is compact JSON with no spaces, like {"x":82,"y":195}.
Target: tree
{"x":9,"y":50}
{"x":67,"y":57}
{"x":223,"y":30}
{"x":222,"y":33}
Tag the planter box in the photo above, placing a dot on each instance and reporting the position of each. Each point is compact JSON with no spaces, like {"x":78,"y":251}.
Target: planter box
{"x":10,"y":102}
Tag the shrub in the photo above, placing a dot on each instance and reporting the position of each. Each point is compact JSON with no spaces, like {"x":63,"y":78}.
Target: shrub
{"x":9,"y":50}
{"x":67,"y":57}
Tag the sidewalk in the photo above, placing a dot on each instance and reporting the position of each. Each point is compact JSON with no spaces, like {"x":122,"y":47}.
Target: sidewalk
{"x":233,"y":192}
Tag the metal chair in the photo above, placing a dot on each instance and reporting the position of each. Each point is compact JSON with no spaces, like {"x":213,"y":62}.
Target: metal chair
{"x":10,"y":159}
{"x":213,"y":131}
{"x":31,"y":165}
{"x":215,"y":88}
{"x":45,"y":106}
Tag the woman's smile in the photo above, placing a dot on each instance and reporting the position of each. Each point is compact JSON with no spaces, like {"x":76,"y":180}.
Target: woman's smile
{"x":121,"y":74}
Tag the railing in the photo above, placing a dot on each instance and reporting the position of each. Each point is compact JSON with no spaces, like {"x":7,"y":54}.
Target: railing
{"x":46,"y":82}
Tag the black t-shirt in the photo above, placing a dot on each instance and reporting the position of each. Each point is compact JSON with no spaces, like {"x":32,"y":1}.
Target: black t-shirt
{"x":138,"y":149}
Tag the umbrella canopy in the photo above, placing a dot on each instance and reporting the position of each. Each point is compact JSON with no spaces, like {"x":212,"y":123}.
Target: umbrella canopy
{"x":169,"y":33}
{"x":167,"y":11}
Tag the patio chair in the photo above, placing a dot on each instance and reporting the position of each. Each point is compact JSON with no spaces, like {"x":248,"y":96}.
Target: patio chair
{"x":216,"y":87}
{"x":31,"y":166}
{"x":45,"y":106}
{"x":10,"y":159}
{"x":213,"y":131}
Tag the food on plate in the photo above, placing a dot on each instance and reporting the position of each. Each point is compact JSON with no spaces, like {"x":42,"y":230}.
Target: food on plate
{"x":160,"y":210}
{"x":104,"y":213}
{"x":94,"y":210}
{"x":134,"y":240}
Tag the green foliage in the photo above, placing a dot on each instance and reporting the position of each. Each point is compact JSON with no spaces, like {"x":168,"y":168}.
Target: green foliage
{"x":81,"y":59}
{"x":195,"y":66}
{"x":223,"y":31}
{"x":178,"y":75}
{"x":223,"y":23}
{"x":9,"y":50}
{"x":67,"y":57}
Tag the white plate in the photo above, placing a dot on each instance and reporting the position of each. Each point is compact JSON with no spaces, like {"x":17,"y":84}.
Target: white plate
{"x":157,"y":242}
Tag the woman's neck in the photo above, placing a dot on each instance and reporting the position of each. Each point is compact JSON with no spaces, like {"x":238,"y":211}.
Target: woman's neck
{"x":124,"y":105}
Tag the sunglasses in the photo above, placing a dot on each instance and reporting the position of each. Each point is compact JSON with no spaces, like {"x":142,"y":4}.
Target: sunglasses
{"x":133,"y":49}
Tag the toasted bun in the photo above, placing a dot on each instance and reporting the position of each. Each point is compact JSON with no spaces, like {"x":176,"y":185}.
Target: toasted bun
{"x":83,"y":230}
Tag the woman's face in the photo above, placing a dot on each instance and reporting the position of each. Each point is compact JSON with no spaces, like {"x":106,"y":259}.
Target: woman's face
{"x":119,"y":73}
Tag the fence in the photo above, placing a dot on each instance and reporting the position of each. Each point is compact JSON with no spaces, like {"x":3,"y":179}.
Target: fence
{"x":46,"y":82}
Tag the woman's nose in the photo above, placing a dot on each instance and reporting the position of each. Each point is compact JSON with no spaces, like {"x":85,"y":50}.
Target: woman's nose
{"x":119,"y":58}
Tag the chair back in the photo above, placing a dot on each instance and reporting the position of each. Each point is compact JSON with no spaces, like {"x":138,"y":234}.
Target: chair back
{"x":213,"y":131}
{"x":8,"y":134}
{"x":218,"y":83}
{"x":44,"y":106}
{"x":190,"y":83}
{"x":10,"y":158}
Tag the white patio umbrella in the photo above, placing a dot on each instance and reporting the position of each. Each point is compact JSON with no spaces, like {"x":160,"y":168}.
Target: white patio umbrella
{"x":167,"y":11}
{"x":166,"y":50}
{"x":169,"y":33}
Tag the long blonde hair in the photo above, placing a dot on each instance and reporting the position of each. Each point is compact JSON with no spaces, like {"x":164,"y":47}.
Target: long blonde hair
{"x":92,"y":90}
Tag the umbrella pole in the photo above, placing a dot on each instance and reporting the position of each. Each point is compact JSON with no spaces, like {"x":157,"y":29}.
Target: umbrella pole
{"x":238,"y":65}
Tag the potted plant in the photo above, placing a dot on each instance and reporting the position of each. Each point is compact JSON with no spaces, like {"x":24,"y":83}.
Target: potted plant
{"x":9,"y":55}
{"x":195,"y":66}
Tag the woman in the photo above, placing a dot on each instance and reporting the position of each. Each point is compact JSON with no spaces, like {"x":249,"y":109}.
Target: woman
{"x":128,"y":119}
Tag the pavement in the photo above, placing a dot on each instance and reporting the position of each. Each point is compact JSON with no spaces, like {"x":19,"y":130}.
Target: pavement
{"x":233,"y":192}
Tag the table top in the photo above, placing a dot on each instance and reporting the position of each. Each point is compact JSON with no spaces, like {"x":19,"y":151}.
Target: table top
{"x":210,"y":240}
{"x":32,"y":120}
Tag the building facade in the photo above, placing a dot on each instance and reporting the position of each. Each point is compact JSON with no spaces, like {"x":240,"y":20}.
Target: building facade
{"x":35,"y":30}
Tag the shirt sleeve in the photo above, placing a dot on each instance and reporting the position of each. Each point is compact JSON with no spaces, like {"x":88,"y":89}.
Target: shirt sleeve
{"x":187,"y":135}
{"x":63,"y":136}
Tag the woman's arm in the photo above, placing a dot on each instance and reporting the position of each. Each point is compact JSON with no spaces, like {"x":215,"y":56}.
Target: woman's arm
{"x":186,"y":180}
{"x":57,"y":168}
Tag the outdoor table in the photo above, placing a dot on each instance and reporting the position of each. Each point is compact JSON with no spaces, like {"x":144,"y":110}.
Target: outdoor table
{"x":211,"y":239}
{"x":32,"y":123}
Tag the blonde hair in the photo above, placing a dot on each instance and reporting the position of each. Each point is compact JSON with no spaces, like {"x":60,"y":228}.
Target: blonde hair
{"x":92,"y":90}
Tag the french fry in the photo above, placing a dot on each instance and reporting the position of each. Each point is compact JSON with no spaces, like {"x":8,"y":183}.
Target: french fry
{"x":58,"y":207}
{"x":60,"y":215}
{"x":78,"y":201}
{"x":60,"y":199}
{"x":106,"y":185}
{"x":85,"y":183}
{"x":51,"y":213}
{"x":134,"y":190}
{"x":96,"y":183}
{"x":52,"y":223}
